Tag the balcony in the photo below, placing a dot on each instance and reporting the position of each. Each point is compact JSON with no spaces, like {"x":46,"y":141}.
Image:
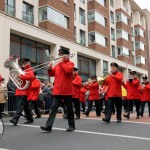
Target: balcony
{"x":82,"y":41}
{"x":27,"y":17}
{"x":10,"y":10}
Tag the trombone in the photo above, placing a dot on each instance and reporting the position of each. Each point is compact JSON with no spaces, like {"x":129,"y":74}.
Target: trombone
{"x":52,"y":59}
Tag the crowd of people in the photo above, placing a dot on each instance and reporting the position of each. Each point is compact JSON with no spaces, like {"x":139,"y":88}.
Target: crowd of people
{"x":69,"y":92}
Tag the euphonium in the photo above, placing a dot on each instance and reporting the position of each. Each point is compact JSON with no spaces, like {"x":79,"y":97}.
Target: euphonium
{"x":15,"y":70}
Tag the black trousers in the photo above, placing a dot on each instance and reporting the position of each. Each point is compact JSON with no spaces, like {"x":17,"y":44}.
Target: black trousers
{"x":76,"y":102}
{"x":143,"y":107}
{"x":130,"y":105}
{"x":117,"y":101}
{"x":1,"y":109}
{"x":97,"y":105}
{"x":55,"y":105}
{"x":23,"y":105}
{"x":34,"y":105}
{"x":102,"y":100}
{"x":83,"y":106}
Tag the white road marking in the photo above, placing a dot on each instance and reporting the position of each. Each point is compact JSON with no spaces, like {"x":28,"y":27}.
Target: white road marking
{"x":99,"y":119}
{"x":90,"y":132}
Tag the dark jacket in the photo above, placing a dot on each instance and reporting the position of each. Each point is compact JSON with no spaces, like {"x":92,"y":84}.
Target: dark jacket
{"x":11,"y":87}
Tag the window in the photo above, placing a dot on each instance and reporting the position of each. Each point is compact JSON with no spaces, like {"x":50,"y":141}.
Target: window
{"x":139,"y":45}
{"x":132,"y":31}
{"x":113,"y":51}
{"x":82,"y":16}
{"x":10,"y":7}
{"x":27,"y":13}
{"x":122,"y":17}
{"x":105,"y":68}
{"x":122,"y":34}
{"x":87,"y":67}
{"x":66,"y":1}
{"x":75,"y":34}
{"x":123,"y":51}
{"x":47,"y":13}
{"x":112,"y":34}
{"x":23,"y":47}
{"x":98,"y":38}
{"x":74,"y":11}
{"x":140,"y":60}
{"x":139,"y":31}
{"x":112,"y":17}
{"x":112,"y":3}
{"x":82,"y":38}
{"x":82,"y":1}
{"x":102,"y":2}
{"x":94,"y":16}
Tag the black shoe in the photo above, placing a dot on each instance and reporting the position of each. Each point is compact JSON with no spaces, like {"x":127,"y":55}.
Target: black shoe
{"x":77,"y":117}
{"x":106,"y":120}
{"x":28,"y":122}
{"x":65,"y":116}
{"x":46,"y":129}
{"x":141,"y":114}
{"x":137,"y":117}
{"x":37,"y":117}
{"x":87,"y":114}
{"x":15,"y":123}
{"x":70,"y":129}
{"x":127,"y":116}
{"x":118,"y":121}
{"x":98,"y":115}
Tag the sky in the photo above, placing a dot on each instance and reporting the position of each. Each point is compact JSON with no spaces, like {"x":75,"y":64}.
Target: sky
{"x":143,"y":3}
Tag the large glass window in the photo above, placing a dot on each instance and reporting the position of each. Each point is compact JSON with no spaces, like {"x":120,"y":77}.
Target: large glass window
{"x":87,"y":67}
{"x":23,"y":47}
{"x":47,"y":13}
{"x":113,"y":51}
{"x":123,"y":51}
{"x":122,"y":34}
{"x":82,"y":38}
{"x":82,"y":1}
{"x":140,"y":60}
{"x":139,"y":45}
{"x":122,"y":17}
{"x":98,"y":38}
{"x":82,"y":16}
{"x":102,"y":2}
{"x":112,"y":17}
{"x":112,"y":3}
{"x":105,"y":68}
{"x":95,"y":16}
{"x":139,"y":31}
{"x":27,"y":13}
{"x":112,"y":34}
{"x":10,"y":7}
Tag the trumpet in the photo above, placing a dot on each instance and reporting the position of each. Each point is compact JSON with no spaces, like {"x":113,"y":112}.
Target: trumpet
{"x":101,"y":80}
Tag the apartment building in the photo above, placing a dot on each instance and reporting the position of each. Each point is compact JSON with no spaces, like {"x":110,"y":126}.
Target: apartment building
{"x":97,"y":31}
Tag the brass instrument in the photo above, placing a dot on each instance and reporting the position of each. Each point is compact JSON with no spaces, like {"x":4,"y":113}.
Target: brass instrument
{"x":15,"y":70}
{"x":101,"y":79}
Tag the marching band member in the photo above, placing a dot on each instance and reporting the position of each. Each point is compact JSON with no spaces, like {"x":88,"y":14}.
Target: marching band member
{"x":34,"y":95}
{"x":133,"y":94}
{"x":114,"y":93}
{"x":22,"y":94}
{"x":77,"y":82}
{"x":145,"y":95}
{"x":93,"y":96}
{"x":62,"y":90}
{"x":83,"y":97}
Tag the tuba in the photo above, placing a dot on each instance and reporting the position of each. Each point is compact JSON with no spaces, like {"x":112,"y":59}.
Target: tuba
{"x":15,"y":70}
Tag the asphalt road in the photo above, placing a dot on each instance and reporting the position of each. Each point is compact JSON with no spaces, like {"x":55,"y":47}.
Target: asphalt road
{"x":91,"y":134}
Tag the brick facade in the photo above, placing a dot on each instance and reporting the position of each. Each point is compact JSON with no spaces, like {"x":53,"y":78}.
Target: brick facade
{"x":2,"y":5}
{"x":64,"y":8}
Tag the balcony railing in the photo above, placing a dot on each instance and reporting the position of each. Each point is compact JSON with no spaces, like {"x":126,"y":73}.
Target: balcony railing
{"x":82,"y":41}
{"x":10,"y":10}
{"x":29,"y":18}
